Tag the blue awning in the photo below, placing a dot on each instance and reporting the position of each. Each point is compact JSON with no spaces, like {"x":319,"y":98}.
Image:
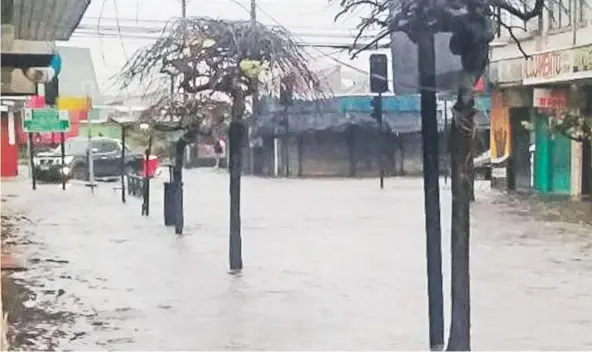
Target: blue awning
{"x":401,"y":114}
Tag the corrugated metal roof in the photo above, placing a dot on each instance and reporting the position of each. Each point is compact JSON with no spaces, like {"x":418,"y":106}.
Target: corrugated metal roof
{"x":401,"y":114}
{"x":46,"y":20}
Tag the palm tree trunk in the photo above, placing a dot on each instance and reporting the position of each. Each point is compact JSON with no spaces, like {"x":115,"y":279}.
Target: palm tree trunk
{"x":460,"y":148}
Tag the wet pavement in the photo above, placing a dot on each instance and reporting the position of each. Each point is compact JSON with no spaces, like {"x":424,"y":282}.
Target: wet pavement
{"x":329,"y":265}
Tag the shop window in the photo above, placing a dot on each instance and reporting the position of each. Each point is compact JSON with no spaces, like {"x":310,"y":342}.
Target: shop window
{"x":583,"y":9}
{"x":534,"y":25}
{"x":560,"y":13}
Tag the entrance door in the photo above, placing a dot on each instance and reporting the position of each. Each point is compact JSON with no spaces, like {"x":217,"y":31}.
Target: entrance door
{"x":587,"y":168}
{"x":520,"y":156}
{"x":560,"y":160}
{"x":541,"y":155}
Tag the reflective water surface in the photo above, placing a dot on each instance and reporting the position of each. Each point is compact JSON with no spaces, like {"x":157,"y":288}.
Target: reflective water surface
{"x":329,"y":264}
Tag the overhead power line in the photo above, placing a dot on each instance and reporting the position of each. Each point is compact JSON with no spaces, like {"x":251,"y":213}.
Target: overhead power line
{"x":321,"y":44}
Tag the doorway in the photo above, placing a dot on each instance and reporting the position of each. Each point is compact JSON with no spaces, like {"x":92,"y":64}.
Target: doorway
{"x":587,"y":168}
{"x":552,"y":159}
{"x":520,"y":171}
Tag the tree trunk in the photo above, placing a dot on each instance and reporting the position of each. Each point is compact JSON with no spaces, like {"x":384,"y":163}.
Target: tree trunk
{"x":236,"y":134}
{"x":178,"y":182}
{"x":460,"y":148}
{"x":471,"y":175}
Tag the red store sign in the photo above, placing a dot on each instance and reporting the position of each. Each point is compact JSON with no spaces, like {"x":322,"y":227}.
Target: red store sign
{"x":549,"y":98}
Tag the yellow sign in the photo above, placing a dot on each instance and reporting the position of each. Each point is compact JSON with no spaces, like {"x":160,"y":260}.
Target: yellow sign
{"x":500,"y":132}
{"x":583,"y":59}
{"x":74,"y":103}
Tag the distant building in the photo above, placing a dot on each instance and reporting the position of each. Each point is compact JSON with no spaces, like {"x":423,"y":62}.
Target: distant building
{"x":338,"y":137}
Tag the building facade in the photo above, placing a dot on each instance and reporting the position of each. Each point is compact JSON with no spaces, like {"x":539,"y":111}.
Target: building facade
{"x":532,"y":94}
{"x":338,"y":137}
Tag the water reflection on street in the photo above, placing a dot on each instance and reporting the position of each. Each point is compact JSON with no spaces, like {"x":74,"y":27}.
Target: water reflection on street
{"x":329,"y":264}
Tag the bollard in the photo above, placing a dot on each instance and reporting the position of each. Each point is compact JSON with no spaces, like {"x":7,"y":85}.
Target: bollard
{"x":129,"y":185}
{"x":169,"y":204}
{"x":179,"y":218}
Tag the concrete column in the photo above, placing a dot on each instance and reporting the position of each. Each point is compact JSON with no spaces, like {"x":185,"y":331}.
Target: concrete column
{"x":11,"y":129}
{"x":576,"y":169}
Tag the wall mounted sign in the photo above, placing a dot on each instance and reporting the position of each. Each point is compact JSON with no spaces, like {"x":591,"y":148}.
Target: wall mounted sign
{"x":549,"y":65}
{"x":549,"y":98}
{"x":582,"y":60}
{"x":509,"y":71}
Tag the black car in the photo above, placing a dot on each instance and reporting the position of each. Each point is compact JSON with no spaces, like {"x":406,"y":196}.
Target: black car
{"x":106,"y":155}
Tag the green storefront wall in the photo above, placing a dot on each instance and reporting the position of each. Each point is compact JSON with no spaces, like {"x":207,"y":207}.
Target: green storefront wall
{"x":552,"y":159}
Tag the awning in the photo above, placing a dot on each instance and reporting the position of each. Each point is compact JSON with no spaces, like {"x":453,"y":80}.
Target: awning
{"x":43,"y":20}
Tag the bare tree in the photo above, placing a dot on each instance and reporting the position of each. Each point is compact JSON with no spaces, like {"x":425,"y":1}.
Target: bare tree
{"x":223,"y":59}
{"x":471,"y":23}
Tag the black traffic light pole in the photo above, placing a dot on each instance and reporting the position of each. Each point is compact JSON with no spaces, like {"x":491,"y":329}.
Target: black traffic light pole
{"x":32,"y":161}
{"x":429,"y":131}
{"x":377,"y":114}
{"x":379,"y":84}
{"x":63,"y":158}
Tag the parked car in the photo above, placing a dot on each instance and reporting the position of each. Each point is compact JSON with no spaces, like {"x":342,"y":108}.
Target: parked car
{"x":106,"y":154}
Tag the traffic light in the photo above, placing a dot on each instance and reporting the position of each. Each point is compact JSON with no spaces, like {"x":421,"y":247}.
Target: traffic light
{"x":52,"y":91}
{"x":378,"y":73}
{"x":376,"y":104}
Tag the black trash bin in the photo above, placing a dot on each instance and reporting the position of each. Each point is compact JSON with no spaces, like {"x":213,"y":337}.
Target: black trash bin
{"x":169,"y":204}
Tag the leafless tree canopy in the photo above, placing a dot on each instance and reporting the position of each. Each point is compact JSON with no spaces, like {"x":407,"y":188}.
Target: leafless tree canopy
{"x":469,"y":21}
{"x":440,"y":15}
{"x":199,"y":113}
{"x":206,"y":55}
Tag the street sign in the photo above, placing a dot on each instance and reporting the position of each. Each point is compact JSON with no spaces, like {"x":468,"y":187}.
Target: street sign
{"x":46,"y":120}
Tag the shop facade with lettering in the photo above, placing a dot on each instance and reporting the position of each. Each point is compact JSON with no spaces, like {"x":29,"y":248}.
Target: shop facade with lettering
{"x":549,"y":67}
{"x":550,"y":82}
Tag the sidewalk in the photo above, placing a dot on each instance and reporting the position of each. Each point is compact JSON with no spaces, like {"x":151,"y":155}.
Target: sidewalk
{"x":57,"y":235}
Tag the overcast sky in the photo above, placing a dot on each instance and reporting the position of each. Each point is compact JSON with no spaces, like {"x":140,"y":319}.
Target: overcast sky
{"x":302,"y":16}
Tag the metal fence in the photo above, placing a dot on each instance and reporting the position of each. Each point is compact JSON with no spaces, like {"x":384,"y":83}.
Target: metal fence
{"x":356,"y":152}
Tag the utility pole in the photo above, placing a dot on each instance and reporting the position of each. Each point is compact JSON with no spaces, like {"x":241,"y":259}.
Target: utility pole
{"x":379,"y":84}
{"x":255,"y":97}
{"x":184,"y":8}
{"x":429,"y":130}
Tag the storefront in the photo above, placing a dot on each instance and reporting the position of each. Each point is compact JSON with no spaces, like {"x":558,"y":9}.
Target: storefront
{"x":28,"y":32}
{"x":510,"y":140}
{"x":551,"y":84}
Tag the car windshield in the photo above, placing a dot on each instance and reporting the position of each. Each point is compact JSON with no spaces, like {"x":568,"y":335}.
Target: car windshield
{"x":73,"y":147}
{"x":105,"y":146}
{"x":79,"y":146}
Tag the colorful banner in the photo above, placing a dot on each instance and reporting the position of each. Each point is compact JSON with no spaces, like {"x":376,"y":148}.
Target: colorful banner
{"x":500,"y":133}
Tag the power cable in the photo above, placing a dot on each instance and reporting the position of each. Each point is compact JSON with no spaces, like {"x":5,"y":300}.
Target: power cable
{"x":119,"y":31}
{"x":99,"y":30}
{"x":152,"y":36}
{"x":433,"y":89}
{"x":316,"y":49}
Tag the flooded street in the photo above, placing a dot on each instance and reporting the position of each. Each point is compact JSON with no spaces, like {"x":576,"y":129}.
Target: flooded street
{"x":329,"y":265}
